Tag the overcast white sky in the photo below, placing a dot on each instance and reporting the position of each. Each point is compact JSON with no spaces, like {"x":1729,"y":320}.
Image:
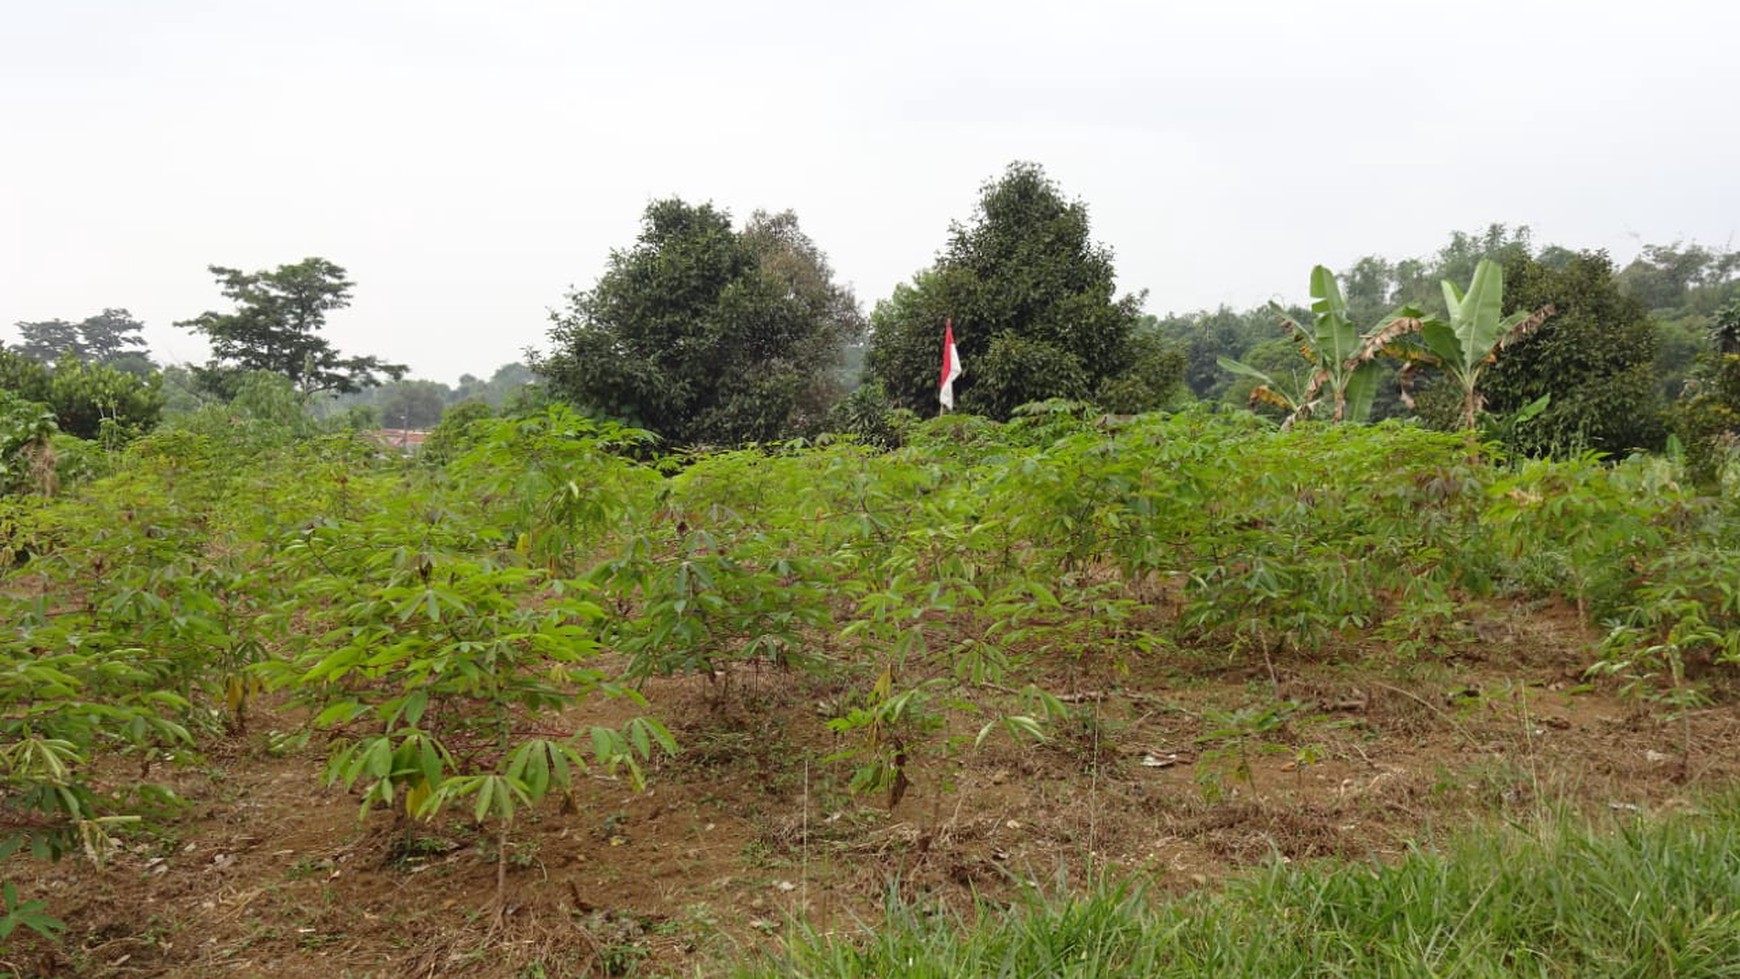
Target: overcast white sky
{"x":468,"y":162}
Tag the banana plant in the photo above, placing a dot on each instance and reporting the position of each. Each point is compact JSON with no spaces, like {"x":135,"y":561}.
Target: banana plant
{"x":1333,"y":346}
{"x":1287,"y":394}
{"x":1471,"y":340}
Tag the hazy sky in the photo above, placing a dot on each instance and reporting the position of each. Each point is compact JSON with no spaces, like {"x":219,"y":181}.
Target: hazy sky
{"x":467,"y":163}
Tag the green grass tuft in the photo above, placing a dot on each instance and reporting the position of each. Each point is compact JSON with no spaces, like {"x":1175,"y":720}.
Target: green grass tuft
{"x":1652,"y":898}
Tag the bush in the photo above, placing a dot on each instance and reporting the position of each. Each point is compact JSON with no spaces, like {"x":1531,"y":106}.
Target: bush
{"x":26,"y":459}
{"x":865,"y":413}
{"x":452,"y":437}
{"x":87,"y":400}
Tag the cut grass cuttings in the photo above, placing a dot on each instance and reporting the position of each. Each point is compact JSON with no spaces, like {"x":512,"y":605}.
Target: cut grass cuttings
{"x":1652,"y":898}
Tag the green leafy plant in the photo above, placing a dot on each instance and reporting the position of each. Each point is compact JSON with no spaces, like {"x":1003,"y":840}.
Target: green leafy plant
{"x":1343,"y":372}
{"x":16,"y":913}
{"x":1233,"y":738}
{"x":879,"y":731}
{"x":1469,"y":342}
{"x":435,"y":676}
{"x":26,"y":459}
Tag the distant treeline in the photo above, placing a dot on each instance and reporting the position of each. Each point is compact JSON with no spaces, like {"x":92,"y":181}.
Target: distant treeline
{"x":712,"y":333}
{"x":418,"y":404}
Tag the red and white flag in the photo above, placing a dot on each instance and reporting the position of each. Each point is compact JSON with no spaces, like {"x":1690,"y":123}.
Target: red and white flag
{"x":951,"y":367}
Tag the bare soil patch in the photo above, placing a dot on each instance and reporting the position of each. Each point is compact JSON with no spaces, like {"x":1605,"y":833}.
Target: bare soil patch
{"x":263,"y":872}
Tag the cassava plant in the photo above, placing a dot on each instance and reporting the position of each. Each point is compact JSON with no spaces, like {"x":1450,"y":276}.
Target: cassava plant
{"x":442,"y":683}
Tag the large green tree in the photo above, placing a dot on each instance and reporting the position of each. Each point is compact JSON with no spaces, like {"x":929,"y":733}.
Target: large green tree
{"x":705,"y":333}
{"x":1594,"y":356}
{"x":46,"y":341}
{"x":109,"y":337}
{"x":1035,"y":312}
{"x":276,"y":326}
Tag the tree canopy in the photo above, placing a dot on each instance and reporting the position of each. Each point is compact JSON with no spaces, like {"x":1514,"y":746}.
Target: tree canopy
{"x":276,"y":327}
{"x":413,"y":403}
{"x":109,"y":337}
{"x":507,"y":380}
{"x":705,"y":333}
{"x":1594,"y":356}
{"x":1035,"y":313}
